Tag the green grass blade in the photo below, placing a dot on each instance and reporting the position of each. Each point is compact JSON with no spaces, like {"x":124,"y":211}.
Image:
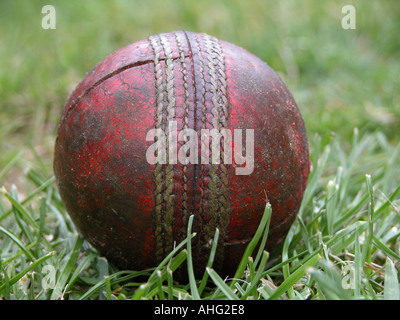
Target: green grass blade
{"x":285,"y":256}
{"x":19,"y":253}
{"x":210,"y":261}
{"x":176,"y":261}
{"x":331,"y":205}
{"x":294,"y":277}
{"x":32,"y":266}
{"x":108,"y":288}
{"x":229,"y":293}
{"x":313,"y":182}
{"x":67,"y":269}
{"x":380,"y":211}
{"x":255,"y":280}
{"x":82,"y":265}
{"x":260,"y":252}
{"x":18,"y":206}
{"x":392,"y":289}
{"x":170,"y":287}
{"x":18,"y":242}
{"x":367,"y":246}
{"x":10,"y":164}
{"x":159,"y":285}
{"x":42,"y":187}
{"x":253,"y":243}
{"x":192,"y":279}
{"x":6,"y":281}
{"x":331,"y":284}
{"x":385,"y":248}
{"x":117,"y":275}
{"x":168,"y":257}
{"x":358,"y":265}
{"x":140,"y":291}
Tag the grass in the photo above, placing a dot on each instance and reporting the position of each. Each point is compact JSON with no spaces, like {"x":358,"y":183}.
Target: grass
{"x":345,"y":241}
{"x":343,"y":245}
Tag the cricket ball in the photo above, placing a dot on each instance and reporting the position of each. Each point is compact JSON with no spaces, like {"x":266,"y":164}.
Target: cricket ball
{"x":175,"y":125}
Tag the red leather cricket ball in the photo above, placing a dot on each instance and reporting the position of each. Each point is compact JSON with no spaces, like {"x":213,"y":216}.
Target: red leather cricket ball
{"x":133,"y":209}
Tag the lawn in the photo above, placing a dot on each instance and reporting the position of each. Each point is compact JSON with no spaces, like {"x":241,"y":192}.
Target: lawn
{"x":345,"y":241}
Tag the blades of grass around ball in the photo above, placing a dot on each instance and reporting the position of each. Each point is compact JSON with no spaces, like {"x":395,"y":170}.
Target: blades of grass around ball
{"x":116,"y":277}
{"x":20,"y":209}
{"x":260,"y":252}
{"x":30,"y":267}
{"x":192,"y":279}
{"x":67,"y":269}
{"x":331,"y":283}
{"x":38,"y":159}
{"x":41,"y":188}
{"x":227,"y":290}
{"x":331,"y":205}
{"x":387,"y":229}
{"x":367,"y":246}
{"x":266,"y":217}
{"x":239,"y":289}
{"x":357,"y":204}
{"x":294,"y":277}
{"x":84,"y":263}
{"x":170,"y":292}
{"x":285,"y":256}
{"x":358,"y":265}
{"x":21,"y":220}
{"x":266,"y":291}
{"x":313,"y":180}
{"x":140,"y":291}
{"x":341,"y":234}
{"x":210,"y":261}
{"x":103,"y":270}
{"x":380,"y":211}
{"x":344,"y":238}
{"x":169,"y":256}
{"x":159,"y":285}
{"x":64,"y":229}
{"x":40,"y":233}
{"x":392,"y":289}
{"x":252,"y":289}
{"x":19,"y":253}
{"x":5,"y":282}
{"x":379,"y":244}
{"x":290,"y":260}
{"x":152,"y":289}
{"x":108,"y":288}
{"x":19,"y":243}
{"x":346,"y":171}
{"x":251,"y":269}
{"x":387,"y":179}
{"x":178,"y":259}
{"x":178,"y":293}
{"x":305,"y":234}
{"x":11,"y":163}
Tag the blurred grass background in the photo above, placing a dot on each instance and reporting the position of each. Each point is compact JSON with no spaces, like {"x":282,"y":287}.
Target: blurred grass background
{"x":341,"y":79}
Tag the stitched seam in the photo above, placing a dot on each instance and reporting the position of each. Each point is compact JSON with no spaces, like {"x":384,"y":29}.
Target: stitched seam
{"x":169,"y":172}
{"x":185,"y":126}
{"x":203,"y":124}
{"x":158,"y":171}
